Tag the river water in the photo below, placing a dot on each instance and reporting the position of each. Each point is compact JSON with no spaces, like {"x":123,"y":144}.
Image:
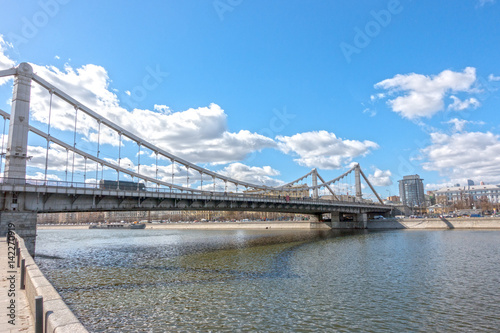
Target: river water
{"x":276,"y":281}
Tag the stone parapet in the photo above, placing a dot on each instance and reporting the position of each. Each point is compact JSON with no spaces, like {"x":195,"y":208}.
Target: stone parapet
{"x":57,"y":316}
{"x":436,"y":223}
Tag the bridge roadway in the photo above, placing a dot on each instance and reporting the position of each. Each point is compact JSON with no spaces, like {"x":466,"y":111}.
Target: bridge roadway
{"x":37,"y":196}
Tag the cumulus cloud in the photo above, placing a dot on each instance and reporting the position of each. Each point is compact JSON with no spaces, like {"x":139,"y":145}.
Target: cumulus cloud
{"x":199,"y":135}
{"x":251,"y":174}
{"x":459,"y":105}
{"x":41,"y":176}
{"x":492,"y":77}
{"x":459,"y":124}
{"x":464,"y":155}
{"x":5,"y":61}
{"x":380,"y":178}
{"x":423,"y":96}
{"x":322,"y":149}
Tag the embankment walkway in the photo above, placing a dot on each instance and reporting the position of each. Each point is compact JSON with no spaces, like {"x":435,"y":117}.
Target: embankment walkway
{"x":11,"y":293}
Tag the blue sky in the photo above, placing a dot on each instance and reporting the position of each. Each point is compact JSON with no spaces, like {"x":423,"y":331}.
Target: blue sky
{"x":273,"y":89}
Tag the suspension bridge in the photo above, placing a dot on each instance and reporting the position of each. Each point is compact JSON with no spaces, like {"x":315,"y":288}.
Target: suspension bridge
{"x":96,"y":181}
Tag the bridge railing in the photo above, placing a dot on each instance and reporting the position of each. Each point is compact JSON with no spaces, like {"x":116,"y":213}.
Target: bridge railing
{"x":157,"y":189}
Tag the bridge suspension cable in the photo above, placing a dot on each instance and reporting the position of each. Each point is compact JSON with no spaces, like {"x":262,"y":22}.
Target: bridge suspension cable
{"x":160,"y":153}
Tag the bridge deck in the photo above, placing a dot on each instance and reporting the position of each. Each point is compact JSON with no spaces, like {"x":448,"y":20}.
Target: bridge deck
{"x":23,"y":318}
{"x":47,"y":198}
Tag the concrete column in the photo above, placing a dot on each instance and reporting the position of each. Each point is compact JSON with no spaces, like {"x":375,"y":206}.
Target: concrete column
{"x":17,"y":145}
{"x":23,"y":223}
{"x":362,"y":220}
{"x":335,"y":216}
{"x":357,"y":176}
{"x":314,"y":183}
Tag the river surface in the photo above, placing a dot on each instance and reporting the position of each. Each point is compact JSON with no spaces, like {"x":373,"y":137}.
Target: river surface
{"x":276,"y":281}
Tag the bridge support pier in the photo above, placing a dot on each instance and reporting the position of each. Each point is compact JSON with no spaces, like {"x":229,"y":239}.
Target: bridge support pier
{"x":315,"y":217}
{"x":23,"y":223}
{"x":361,"y":220}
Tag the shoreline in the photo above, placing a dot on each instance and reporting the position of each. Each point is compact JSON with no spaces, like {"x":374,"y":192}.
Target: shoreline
{"x":429,"y":223}
{"x":286,"y":225}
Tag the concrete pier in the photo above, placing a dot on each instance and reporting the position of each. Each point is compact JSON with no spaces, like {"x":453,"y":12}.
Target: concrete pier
{"x":23,"y":223}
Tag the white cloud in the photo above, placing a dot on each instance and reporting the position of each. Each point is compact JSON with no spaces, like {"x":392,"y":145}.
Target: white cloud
{"x":465,"y":155}
{"x":381,"y":178}
{"x":59,"y":159}
{"x":323,"y":150}
{"x":459,"y":105}
{"x":41,"y":176}
{"x":5,"y":61}
{"x":162,"y":108}
{"x":437,"y":186}
{"x":198,"y":135}
{"x":370,"y":112}
{"x":459,"y":124}
{"x":251,"y":174}
{"x":492,"y":77}
{"x":423,"y":96}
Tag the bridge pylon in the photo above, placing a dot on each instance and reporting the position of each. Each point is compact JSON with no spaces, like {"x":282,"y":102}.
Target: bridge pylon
{"x":17,"y":144}
{"x":13,"y":216}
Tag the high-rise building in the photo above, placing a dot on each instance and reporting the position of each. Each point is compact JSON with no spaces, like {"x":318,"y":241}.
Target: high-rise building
{"x":470,"y":182}
{"x":411,"y":191}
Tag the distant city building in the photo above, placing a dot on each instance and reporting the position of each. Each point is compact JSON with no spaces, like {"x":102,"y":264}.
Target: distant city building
{"x":411,"y":191}
{"x":293,"y":191}
{"x":394,"y":198}
{"x":449,"y":195}
{"x":470,"y":182}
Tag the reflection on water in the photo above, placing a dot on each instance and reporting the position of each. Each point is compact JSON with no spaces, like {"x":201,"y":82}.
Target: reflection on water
{"x":276,"y":281}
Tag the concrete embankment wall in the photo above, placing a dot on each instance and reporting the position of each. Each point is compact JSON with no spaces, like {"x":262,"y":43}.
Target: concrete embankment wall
{"x":242,"y":225}
{"x":436,"y":223}
{"x":57,"y":317}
